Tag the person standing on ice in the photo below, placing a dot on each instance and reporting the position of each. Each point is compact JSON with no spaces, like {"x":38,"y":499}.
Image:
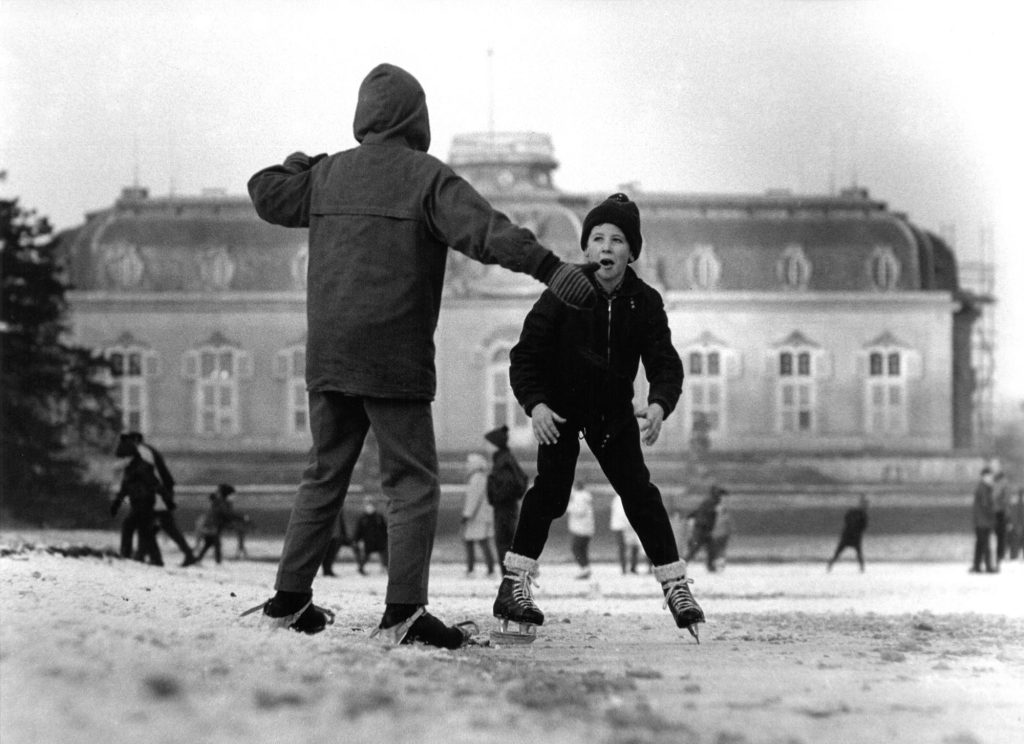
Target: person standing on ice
{"x":572,"y":370}
{"x":381,"y":219}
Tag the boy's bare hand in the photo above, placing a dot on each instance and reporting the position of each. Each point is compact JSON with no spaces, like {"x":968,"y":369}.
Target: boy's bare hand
{"x":545,"y":423}
{"x":650,"y":422}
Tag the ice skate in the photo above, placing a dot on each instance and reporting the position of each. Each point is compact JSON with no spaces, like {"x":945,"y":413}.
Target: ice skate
{"x":308,"y":619}
{"x":678,"y":598}
{"x":422,"y":627}
{"x":515,"y":604}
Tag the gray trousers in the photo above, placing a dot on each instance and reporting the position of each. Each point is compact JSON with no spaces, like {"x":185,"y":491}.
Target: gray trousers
{"x":409,"y":479}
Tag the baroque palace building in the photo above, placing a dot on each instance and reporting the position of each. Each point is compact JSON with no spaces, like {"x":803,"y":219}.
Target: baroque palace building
{"x":819,"y":327}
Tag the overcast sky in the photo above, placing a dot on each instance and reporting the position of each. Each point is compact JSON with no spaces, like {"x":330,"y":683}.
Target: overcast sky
{"x":915,"y":101}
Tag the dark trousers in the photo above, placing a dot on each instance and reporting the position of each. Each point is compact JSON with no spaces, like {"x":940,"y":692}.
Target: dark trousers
{"x":210,"y":541}
{"x":170,"y":526}
{"x":485,"y":548}
{"x":704,"y":542}
{"x":409,"y":479}
{"x":623,"y":464}
{"x":982,"y":549}
{"x":505,"y":519}
{"x":1000,"y":531}
{"x":581,"y":550}
{"x":632,"y":552}
{"x":843,"y":544}
{"x":142,"y":522}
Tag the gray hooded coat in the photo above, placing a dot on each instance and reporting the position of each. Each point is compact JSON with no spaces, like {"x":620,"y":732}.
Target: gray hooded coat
{"x":381,"y":218}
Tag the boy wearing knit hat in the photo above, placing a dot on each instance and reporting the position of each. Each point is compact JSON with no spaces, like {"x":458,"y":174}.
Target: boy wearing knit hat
{"x":572,"y":371}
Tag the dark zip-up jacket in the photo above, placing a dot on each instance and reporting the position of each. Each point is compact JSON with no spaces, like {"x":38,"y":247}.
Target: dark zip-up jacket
{"x":381,"y":217}
{"x":582,"y":363}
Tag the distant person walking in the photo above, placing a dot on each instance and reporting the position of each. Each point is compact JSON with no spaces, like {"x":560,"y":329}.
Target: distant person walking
{"x":626,"y":539}
{"x":477,"y":514}
{"x":220,"y":515}
{"x":984,"y":516}
{"x":1015,"y":536}
{"x":701,"y":526}
{"x":370,"y":535}
{"x":580,"y":513}
{"x":140,"y":485}
{"x":1000,"y":507}
{"x":506,"y":485}
{"x":855,"y":522}
{"x":339,"y":539}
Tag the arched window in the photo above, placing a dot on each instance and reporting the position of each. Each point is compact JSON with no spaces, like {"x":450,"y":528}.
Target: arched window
{"x":797,"y":385}
{"x":884,"y":268}
{"x":290,"y":366}
{"x":703,"y":269}
{"x":131,"y":364}
{"x":705,"y":392}
{"x":502,"y":406}
{"x":216,"y":367}
{"x":885,"y":393}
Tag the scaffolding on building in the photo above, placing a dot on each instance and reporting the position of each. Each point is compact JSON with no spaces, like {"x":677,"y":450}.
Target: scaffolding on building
{"x":979,"y":277}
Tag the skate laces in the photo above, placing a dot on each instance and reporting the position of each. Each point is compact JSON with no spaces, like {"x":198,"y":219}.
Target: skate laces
{"x":678,"y":594}
{"x":521,"y":591}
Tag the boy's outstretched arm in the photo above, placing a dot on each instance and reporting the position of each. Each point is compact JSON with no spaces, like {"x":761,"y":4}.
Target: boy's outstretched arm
{"x":281,"y":193}
{"x":467,"y":222}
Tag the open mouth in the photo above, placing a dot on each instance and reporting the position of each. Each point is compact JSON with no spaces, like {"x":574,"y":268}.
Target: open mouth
{"x":606,"y":263}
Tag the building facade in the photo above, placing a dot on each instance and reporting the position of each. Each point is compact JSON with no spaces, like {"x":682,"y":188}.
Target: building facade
{"x":812,"y":325}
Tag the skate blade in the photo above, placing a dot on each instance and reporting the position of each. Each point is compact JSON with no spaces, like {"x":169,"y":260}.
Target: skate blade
{"x":502,"y":638}
{"x":394,"y":635}
{"x":693,"y":631}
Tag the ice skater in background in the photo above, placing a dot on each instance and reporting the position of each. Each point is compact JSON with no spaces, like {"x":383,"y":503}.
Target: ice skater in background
{"x":855,"y":522}
{"x":477,"y":514}
{"x":572,"y":371}
{"x":382,"y":218}
{"x":580,"y":514}
{"x":626,"y":539}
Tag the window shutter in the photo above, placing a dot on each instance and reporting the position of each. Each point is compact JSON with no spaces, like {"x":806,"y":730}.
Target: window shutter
{"x":151,"y":364}
{"x":245,"y":367}
{"x":733,"y":364}
{"x":825,"y":365}
{"x":914,"y":364}
{"x":281,"y":363}
{"x":862,"y":364}
{"x":190,"y":365}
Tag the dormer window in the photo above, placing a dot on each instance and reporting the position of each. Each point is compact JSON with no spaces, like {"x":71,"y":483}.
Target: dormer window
{"x":793,"y":268}
{"x":703,"y":269}
{"x":884,"y":268}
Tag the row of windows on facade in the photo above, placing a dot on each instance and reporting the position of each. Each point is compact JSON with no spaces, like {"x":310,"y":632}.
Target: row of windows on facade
{"x":793,"y":269}
{"x":125,"y":267}
{"x":216,"y":373}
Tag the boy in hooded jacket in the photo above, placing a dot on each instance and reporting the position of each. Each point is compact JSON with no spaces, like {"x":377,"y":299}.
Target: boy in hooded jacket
{"x":381,"y":218}
{"x":572,"y":371}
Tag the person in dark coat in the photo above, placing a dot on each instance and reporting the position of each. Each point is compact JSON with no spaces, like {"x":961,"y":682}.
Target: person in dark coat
{"x":381,"y":218}
{"x":370,"y":535}
{"x":220,"y":516}
{"x":572,"y":371}
{"x":140,"y":485}
{"x":339,"y":539}
{"x":1000,"y":506}
{"x":984,"y":518}
{"x":702,"y":521}
{"x":506,"y":485}
{"x":855,"y":522}
{"x":163,"y":509}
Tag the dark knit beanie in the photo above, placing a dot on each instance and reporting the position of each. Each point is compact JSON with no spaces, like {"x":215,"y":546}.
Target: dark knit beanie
{"x":616,"y":210}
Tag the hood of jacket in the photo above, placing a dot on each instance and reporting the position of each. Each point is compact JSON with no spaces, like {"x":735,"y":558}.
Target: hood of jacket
{"x":392,"y":107}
